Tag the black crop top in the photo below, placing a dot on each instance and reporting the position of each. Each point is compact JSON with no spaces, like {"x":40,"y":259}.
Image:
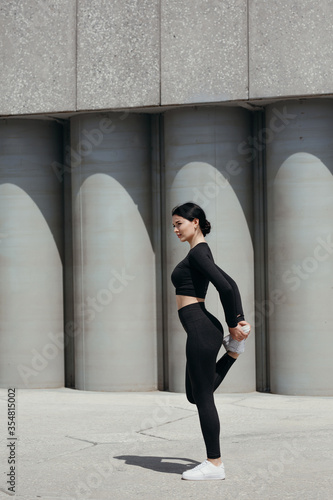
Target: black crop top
{"x":192,"y":275}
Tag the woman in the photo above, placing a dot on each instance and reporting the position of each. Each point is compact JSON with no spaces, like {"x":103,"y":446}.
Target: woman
{"x":204,"y":332}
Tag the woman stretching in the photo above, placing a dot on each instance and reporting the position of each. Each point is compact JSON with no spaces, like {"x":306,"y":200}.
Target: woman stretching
{"x":204,"y":332}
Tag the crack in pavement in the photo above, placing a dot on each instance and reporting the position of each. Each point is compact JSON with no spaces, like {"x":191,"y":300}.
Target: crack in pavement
{"x":157,"y":437}
{"x":165,"y":423}
{"x":181,"y":408}
{"x":84,"y":440}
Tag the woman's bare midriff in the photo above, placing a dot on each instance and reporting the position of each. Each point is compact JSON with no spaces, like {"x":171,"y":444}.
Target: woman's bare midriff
{"x":185,"y":300}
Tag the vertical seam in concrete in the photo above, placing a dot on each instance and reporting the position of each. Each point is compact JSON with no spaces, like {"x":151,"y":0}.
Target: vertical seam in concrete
{"x":248,"y":47}
{"x":80,"y":202}
{"x":164,"y":294}
{"x":160,"y":49}
{"x":156,"y":207}
{"x":68,"y":278}
{"x":261,"y":261}
{"x":76,"y":50}
{"x":266,"y":284}
{"x":81,"y":271}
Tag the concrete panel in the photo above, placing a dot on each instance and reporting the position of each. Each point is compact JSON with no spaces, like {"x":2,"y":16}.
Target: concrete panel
{"x":290,"y":44}
{"x":31,"y":252}
{"x":118,"y":54}
{"x":114,"y":261}
{"x":37,"y":64}
{"x":300,"y":252}
{"x":203,"y":51}
{"x":205,"y":164}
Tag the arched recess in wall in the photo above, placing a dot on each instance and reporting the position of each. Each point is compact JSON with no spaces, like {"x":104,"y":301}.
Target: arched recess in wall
{"x":300,"y":254}
{"x":31,"y":291}
{"x":204,"y":163}
{"x":115,"y":344}
{"x":114,"y":262}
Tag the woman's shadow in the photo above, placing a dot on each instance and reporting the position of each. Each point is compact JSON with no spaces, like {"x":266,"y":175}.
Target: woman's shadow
{"x":169,"y":465}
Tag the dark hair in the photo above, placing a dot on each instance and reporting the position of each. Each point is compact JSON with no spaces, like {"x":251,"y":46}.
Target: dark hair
{"x":192,"y":211}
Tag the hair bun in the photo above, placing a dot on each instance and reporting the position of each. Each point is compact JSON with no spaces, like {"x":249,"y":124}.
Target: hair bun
{"x":191,"y":211}
{"x":206,"y":228}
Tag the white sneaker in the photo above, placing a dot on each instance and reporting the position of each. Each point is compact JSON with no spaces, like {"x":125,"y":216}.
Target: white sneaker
{"x":233,"y":345}
{"x":205,"y":471}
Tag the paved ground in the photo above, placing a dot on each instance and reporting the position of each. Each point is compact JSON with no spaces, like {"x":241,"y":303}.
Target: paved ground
{"x":123,"y":446}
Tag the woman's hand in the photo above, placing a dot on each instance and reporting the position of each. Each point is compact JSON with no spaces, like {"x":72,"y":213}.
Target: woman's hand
{"x":245,"y":323}
{"x":237,"y":333}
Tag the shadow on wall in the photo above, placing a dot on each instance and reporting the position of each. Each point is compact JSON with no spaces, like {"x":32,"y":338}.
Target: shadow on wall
{"x":116,"y":145}
{"x":28,"y":148}
{"x":220,"y":194}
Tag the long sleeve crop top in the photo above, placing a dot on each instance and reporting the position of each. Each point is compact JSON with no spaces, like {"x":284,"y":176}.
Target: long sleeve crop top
{"x":192,"y":275}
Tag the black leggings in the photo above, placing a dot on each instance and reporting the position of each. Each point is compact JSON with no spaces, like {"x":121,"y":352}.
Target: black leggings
{"x":203,"y":374}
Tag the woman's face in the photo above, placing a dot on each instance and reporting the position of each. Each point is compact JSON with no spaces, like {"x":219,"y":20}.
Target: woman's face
{"x":184,"y":228}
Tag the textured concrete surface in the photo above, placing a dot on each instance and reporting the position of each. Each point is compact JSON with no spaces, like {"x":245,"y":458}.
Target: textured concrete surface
{"x":123,"y":446}
{"x":290,"y":44}
{"x":118,"y":54}
{"x":300,"y":252}
{"x":114,"y":262}
{"x":37,"y":64}
{"x":31,"y":251}
{"x":91,"y":54}
{"x":203,"y":51}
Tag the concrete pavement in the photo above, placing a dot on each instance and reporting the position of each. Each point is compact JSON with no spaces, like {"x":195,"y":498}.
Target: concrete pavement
{"x":123,"y":446}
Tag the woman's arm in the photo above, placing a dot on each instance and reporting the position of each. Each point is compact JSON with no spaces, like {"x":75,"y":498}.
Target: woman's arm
{"x":238,"y":300}
{"x":200,"y":257}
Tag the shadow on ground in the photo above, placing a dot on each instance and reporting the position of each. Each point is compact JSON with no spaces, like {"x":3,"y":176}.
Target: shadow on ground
{"x":170,"y":465}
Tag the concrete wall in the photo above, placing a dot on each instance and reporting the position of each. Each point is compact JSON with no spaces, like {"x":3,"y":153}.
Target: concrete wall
{"x":290,"y":44}
{"x":92,"y":54}
{"x":290,"y":47}
{"x":81,"y":55}
{"x":113,"y":258}
{"x":300,"y":251}
{"x":37,"y":64}
{"x":203,"y":51}
{"x":31,"y":246}
{"x":123,"y":239}
{"x":118,"y":54}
